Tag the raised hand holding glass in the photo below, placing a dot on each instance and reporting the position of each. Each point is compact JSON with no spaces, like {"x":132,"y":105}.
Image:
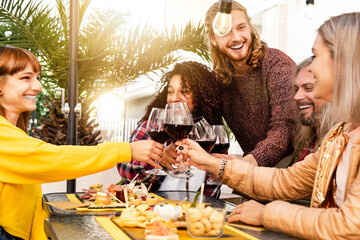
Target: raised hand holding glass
{"x":222,"y":145}
{"x":178,"y":123}
{"x":155,"y":129}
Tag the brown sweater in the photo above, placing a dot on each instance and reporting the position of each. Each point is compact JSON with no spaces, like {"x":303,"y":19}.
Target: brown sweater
{"x":259,"y":109}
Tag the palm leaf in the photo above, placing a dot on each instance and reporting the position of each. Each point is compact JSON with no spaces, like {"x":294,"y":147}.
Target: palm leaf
{"x":110,"y":54}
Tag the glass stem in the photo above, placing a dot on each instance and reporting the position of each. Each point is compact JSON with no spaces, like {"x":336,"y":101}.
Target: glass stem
{"x":181,"y":166}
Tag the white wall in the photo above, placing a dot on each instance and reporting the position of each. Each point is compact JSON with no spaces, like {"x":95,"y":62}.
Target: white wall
{"x":301,"y":32}
{"x":285,"y":26}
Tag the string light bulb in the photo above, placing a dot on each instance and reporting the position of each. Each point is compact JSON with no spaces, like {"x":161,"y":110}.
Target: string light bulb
{"x":310,"y":9}
{"x":222,"y":21}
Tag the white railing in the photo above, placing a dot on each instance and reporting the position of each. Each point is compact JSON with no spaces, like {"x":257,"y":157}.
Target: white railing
{"x":117,"y":130}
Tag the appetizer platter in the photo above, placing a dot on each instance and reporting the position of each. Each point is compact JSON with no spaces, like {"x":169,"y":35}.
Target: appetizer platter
{"x":163,"y":222}
{"x":144,"y":222}
{"x":117,"y":196}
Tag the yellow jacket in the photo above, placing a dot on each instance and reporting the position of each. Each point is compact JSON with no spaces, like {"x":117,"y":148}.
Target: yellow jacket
{"x":297,"y":182}
{"x":26,"y":162}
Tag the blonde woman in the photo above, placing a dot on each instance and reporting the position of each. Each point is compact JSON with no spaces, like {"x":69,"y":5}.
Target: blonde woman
{"x":26,"y":162}
{"x":331,"y":175}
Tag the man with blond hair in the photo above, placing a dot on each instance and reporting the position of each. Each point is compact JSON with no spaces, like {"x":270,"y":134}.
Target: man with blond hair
{"x":256,"y":88}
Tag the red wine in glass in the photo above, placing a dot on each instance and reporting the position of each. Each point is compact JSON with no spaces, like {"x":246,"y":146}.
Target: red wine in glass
{"x":206,"y":145}
{"x":177,"y":131}
{"x":178,"y":123}
{"x":203,"y":134}
{"x":221,"y":148}
{"x":155,"y":129}
{"x":222,"y":143}
{"x":158,"y":136}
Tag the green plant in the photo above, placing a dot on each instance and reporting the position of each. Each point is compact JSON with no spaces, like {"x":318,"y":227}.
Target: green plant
{"x":110,"y":53}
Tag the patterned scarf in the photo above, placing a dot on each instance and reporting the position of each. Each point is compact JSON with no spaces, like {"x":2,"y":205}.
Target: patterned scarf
{"x":324,"y":185}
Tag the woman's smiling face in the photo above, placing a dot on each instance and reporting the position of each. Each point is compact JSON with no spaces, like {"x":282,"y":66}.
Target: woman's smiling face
{"x":322,"y":67}
{"x":177,"y":94}
{"x":19,"y":92}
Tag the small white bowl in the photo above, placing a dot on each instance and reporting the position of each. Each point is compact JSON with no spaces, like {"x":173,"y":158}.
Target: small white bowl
{"x":168,"y":211}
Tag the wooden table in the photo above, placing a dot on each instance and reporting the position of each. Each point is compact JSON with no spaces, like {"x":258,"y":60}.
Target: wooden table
{"x":69,"y":224}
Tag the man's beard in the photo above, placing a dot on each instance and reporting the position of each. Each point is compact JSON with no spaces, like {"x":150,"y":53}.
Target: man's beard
{"x":308,"y":121}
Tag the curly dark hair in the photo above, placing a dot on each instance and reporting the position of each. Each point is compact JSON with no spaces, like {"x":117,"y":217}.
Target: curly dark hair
{"x":198,"y":79}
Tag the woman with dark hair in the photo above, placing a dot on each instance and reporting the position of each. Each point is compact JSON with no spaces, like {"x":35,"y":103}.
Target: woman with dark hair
{"x":189,"y":82}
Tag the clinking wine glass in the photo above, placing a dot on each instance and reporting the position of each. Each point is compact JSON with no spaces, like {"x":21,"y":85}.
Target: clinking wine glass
{"x":178,"y":124}
{"x":203,"y":134}
{"x":155,"y":129}
{"x":222,"y":145}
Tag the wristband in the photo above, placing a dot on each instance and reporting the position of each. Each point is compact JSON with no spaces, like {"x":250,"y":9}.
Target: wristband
{"x":222,"y":168}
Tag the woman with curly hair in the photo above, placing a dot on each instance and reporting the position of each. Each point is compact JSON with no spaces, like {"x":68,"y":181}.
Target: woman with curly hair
{"x":189,"y":82}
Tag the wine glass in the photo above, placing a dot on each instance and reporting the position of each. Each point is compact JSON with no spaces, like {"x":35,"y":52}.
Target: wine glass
{"x":178,"y":124}
{"x":222,"y":145}
{"x":203,"y":134}
{"x":155,"y":129}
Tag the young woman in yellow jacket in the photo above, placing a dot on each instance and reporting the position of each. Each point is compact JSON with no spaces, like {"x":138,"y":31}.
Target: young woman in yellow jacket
{"x":26,"y":162}
{"x":331,"y":175}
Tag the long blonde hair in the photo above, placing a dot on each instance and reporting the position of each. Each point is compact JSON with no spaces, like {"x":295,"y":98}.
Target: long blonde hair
{"x":13,"y":60}
{"x":221,"y":64}
{"x":341,"y":35}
